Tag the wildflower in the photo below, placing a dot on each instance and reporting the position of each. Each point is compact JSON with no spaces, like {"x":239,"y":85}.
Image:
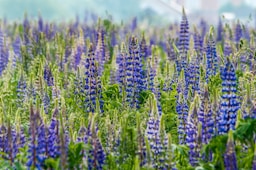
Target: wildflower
{"x":230,"y":155}
{"x":229,"y":103}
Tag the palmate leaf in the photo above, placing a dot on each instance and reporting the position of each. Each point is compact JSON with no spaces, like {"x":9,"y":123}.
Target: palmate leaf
{"x":181,"y":156}
{"x":245,"y":131}
{"x":75,"y":155}
{"x":217,"y":147}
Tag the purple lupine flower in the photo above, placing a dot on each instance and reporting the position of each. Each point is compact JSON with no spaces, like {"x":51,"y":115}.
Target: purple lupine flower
{"x":2,"y":53}
{"x":157,"y":140}
{"x":113,"y":37}
{"x":230,"y":160}
{"x":79,"y":49}
{"x":46,"y":102}
{"x":82,"y":135}
{"x":96,"y":155}
{"x":227,"y":49}
{"x":152,"y":85}
{"x":41,"y":141}
{"x":21,"y":91}
{"x":17,"y":48}
{"x":134,"y":74}
{"x":246,"y":32}
{"x":183,"y":42}
{"x":204,"y":27}
{"x":53,"y":136}
{"x":92,"y":82}
{"x":220,"y":31}
{"x":40,"y":24}
{"x":10,"y":144}
{"x":193,"y":77}
{"x":79,"y":89}
{"x":198,"y":44}
{"x":170,"y":51}
{"x":48,"y":77}
{"x":182,"y":111}
{"x":205,"y":117}
{"x":192,"y":136}
{"x":143,"y":48}
{"x":229,"y":102}
{"x":100,"y":54}
{"x":121,"y":61}
{"x":238,"y":33}
{"x":35,"y":159}
{"x":182,"y":84}
{"x":26,"y":36}
{"x":134,"y":24}
{"x":3,"y":136}
{"x":78,"y":56}
{"x":211,"y":58}
{"x":68,"y":50}
{"x":21,"y":138}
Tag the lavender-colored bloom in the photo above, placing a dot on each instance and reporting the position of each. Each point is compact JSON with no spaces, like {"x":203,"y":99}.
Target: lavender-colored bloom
{"x":246,"y":32}
{"x":230,"y":160}
{"x":238,"y":33}
{"x":41,"y":142}
{"x":3,"y":136}
{"x":204,"y":27}
{"x":21,"y":138}
{"x":134,"y":74}
{"x":198,"y":43}
{"x":113,"y":37}
{"x":96,"y":155}
{"x":193,"y":137}
{"x":11,"y":147}
{"x":78,"y":56}
{"x":3,"y":57}
{"x":220,"y":31}
{"x":229,"y":103}
{"x":35,"y":152}
{"x":211,"y":59}
{"x":227,"y":49}
{"x":79,"y":49}
{"x":157,"y":140}
{"x":134,"y":24}
{"x":183,"y":41}
{"x":182,"y":111}
{"x":82,"y":135}
{"x":17,"y":48}
{"x":92,"y":83}
{"x":40,"y":24}
{"x":193,"y":76}
{"x":53,"y":149}
{"x":205,"y":117}
{"x":100,"y":54}
{"x":46,"y":102}
{"x":121,"y":62}
{"x":143,"y":48}
{"x":170,"y":51}
{"x":21,"y":91}
{"x":48,"y":77}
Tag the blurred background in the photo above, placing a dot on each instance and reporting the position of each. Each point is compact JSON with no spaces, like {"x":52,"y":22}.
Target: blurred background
{"x":147,"y":11}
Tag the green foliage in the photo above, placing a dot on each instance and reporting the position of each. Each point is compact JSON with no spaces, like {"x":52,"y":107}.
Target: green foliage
{"x":75,"y":155}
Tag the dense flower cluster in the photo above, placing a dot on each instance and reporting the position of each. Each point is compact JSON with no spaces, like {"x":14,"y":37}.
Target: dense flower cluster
{"x":229,"y":102}
{"x":94,"y":94}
